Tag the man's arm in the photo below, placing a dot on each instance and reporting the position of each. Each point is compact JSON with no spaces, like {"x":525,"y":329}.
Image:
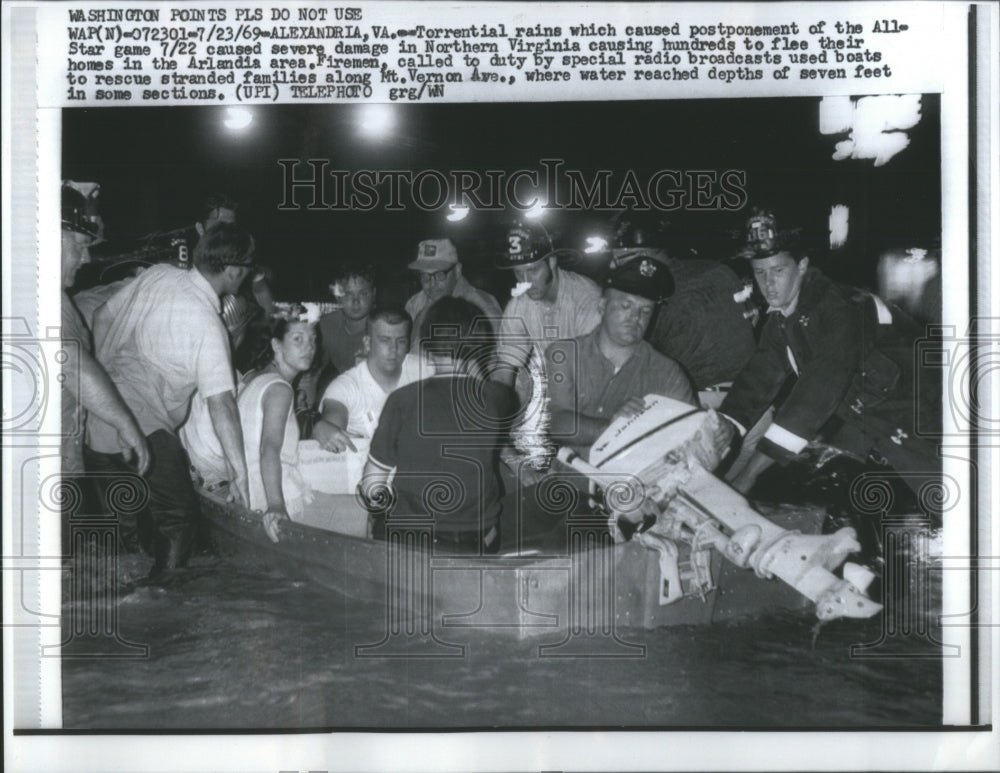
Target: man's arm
{"x":374,"y":488}
{"x":261,"y":289}
{"x":760,"y":381}
{"x":99,"y":395}
{"x":744,"y":481}
{"x":838,"y":335}
{"x":671,"y":380}
{"x":226,"y":423}
{"x":513,"y":347}
{"x":331,"y":429}
{"x":335,"y":412}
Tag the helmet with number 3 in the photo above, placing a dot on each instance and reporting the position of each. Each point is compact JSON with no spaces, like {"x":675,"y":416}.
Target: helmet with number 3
{"x":523,"y":244}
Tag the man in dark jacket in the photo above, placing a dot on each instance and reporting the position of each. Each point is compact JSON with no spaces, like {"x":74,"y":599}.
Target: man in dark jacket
{"x":851,"y":356}
{"x":704,"y":325}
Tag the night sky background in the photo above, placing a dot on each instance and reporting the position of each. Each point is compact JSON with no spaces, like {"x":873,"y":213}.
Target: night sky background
{"x":156,"y":165}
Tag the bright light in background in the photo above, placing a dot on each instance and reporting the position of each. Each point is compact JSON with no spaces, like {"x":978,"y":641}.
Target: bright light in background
{"x":595,"y":244}
{"x":839,"y":215}
{"x":237,"y":118}
{"x":835,"y":115}
{"x":875,"y":124}
{"x":457,"y":213}
{"x":536,"y":211}
{"x":376,"y":120}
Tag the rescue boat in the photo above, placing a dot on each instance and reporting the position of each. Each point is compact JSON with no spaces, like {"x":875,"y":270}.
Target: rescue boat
{"x":706,"y":556}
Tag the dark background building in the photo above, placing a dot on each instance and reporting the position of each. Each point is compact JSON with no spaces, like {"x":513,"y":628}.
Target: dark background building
{"x":156,"y":165}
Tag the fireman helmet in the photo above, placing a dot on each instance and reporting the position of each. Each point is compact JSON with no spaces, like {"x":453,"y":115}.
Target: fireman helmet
{"x":762,"y":237}
{"x":524,"y":244}
{"x":79,"y":209}
{"x":638,"y":233}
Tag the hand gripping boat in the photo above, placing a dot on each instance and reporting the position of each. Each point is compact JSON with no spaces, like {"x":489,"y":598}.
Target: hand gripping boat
{"x":654,"y":465}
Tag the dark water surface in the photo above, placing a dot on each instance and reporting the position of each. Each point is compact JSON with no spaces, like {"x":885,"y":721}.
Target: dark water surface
{"x":233,"y":648}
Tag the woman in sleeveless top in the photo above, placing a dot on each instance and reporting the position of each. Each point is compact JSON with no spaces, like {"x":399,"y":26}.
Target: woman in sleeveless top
{"x":270,"y":432}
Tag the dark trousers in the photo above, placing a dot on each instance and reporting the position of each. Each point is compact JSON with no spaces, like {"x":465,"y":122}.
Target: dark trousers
{"x":173,"y":510}
{"x":914,"y":459}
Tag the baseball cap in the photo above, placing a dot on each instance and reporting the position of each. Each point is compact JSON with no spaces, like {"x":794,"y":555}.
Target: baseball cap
{"x":435,"y":255}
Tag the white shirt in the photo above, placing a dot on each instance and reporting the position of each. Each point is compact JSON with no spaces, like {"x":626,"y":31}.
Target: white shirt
{"x":576,"y":311}
{"x":358,"y":391}
{"x":166,"y":340}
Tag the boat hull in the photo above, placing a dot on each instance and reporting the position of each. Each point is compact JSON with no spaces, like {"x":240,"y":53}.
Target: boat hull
{"x":591,"y":589}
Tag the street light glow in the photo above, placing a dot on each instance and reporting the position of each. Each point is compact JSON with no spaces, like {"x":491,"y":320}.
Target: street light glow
{"x":237,"y":118}
{"x":536,"y":211}
{"x":457,"y":213}
{"x":839,"y":222}
{"x":376,"y":120}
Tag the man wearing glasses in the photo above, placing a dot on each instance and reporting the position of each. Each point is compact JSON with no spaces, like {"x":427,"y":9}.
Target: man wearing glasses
{"x":161,"y":338}
{"x":441,"y":276}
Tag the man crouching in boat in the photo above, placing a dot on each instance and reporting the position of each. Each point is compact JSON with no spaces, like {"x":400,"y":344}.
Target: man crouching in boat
{"x":352,"y":403}
{"x":442,"y":435}
{"x":597,"y":377}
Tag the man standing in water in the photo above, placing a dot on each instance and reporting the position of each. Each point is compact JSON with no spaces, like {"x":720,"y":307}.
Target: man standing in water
{"x":96,"y":393}
{"x":851,"y":356}
{"x":549,"y":303}
{"x":161,"y":338}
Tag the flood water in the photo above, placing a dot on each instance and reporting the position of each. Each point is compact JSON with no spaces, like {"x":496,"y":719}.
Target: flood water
{"x":229,"y":648}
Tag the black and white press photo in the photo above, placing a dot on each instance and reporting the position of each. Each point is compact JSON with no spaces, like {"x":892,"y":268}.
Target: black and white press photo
{"x":499,"y":386}
{"x":489,"y":422}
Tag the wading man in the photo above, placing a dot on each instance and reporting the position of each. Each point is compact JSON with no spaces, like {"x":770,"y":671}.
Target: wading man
{"x":161,"y":338}
{"x":851,"y":358}
{"x":549,"y":303}
{"x":86,"y":387}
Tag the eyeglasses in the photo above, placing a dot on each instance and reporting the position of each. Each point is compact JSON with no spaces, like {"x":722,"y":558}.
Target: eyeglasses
{"x":436,"y":277}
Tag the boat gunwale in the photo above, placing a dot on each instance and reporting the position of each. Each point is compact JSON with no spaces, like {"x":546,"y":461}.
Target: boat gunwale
{"x":303,"y":532}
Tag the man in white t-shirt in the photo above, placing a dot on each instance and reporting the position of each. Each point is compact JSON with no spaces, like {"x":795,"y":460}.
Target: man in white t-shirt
{"x":353,"y":401}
